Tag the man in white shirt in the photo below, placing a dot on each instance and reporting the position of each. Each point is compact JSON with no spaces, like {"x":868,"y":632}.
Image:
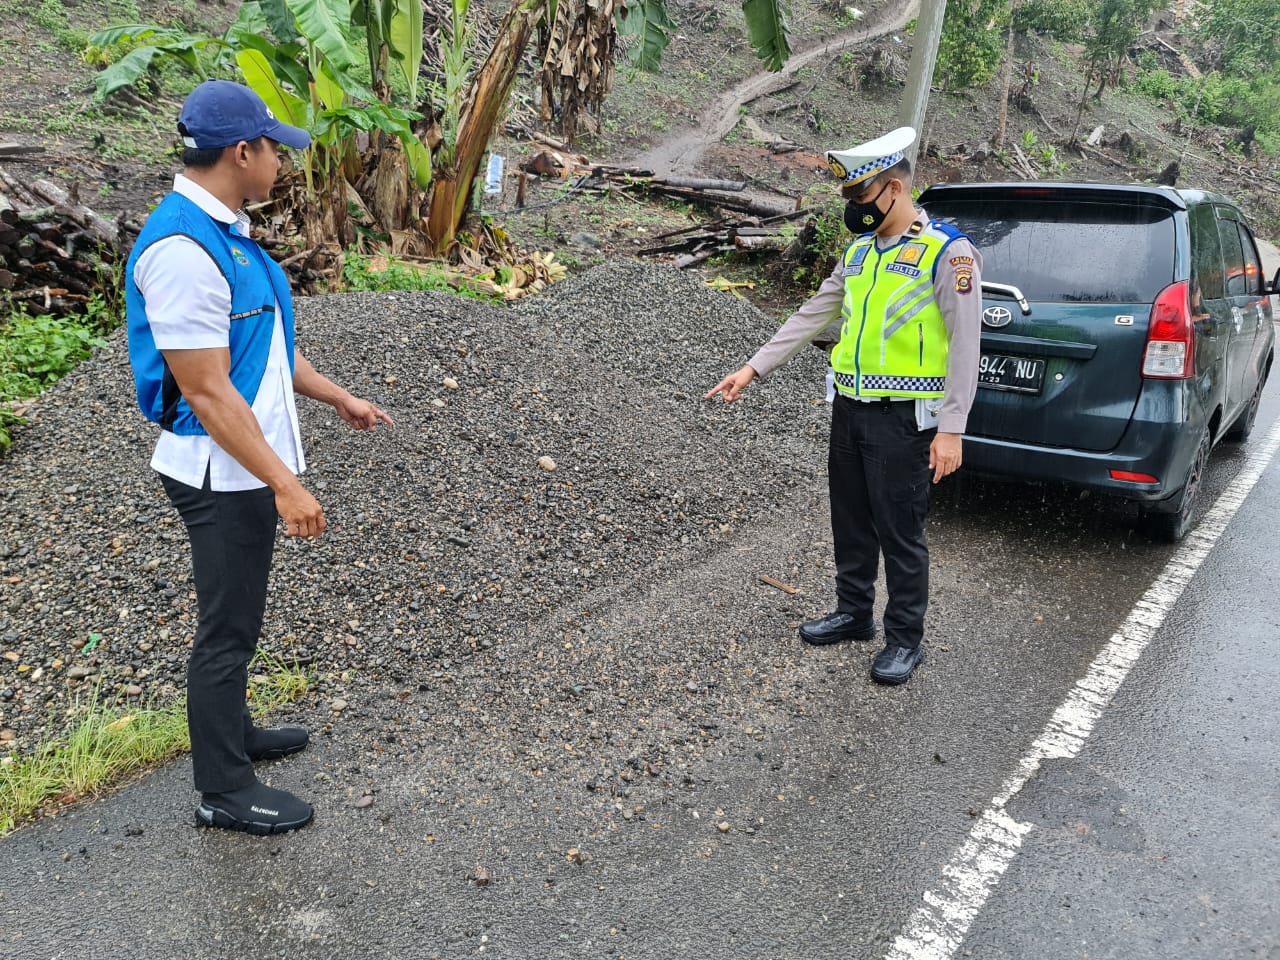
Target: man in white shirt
{"x":210,"y":320}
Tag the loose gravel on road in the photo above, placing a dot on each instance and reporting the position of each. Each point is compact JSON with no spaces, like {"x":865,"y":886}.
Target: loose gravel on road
{"x":551,"y":462}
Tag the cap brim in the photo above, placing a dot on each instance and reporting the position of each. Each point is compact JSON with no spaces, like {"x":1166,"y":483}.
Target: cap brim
{"x":294,"y":137}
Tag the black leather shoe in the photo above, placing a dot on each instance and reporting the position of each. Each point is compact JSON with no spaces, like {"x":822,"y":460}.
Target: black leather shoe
{"x":836,"y":628}
{"x":894,"y":664}
{"x":272,"y":743}
{"x":256,"y":808}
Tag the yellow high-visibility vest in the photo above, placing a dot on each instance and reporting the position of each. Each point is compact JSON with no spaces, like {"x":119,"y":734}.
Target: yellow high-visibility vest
{"x":893,"y":339}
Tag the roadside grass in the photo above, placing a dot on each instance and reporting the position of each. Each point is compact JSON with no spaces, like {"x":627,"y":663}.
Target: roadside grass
{"x":111,"y":741}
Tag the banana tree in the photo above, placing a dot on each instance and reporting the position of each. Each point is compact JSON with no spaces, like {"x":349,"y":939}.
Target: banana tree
{"x":417,"y":174}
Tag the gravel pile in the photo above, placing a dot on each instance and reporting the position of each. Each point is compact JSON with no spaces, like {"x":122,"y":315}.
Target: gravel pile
{"x":516,"y":549}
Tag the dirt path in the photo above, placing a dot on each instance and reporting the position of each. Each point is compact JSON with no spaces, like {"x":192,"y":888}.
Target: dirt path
{"x":682,"y":153}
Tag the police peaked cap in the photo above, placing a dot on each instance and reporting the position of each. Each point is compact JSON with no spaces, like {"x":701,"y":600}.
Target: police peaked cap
{"x":867,"y":159}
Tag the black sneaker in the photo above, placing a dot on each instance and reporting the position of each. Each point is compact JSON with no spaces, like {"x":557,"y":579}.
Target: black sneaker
{"x":894,"y":665}
{"x":836,"y":628}
{"x":272,"y":743}
{"x":256,"y":808}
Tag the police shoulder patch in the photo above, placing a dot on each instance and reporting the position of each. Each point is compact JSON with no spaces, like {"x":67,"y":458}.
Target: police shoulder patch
{"x":911,"y":253}
{"x":962,"y":261}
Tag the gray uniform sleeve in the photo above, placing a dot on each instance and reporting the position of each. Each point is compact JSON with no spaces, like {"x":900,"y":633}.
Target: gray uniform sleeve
{"x":819,"y":312}
{"x":957,"y":289}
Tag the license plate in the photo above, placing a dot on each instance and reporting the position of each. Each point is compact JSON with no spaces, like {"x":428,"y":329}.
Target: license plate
{"x":1016,"y":374}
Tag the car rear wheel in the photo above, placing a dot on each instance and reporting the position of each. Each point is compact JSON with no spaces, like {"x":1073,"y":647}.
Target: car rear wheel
{"x":1174,"y":524}
{"x":1243,"y":426}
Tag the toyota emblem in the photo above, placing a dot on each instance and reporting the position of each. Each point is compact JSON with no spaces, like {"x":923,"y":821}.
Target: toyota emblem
{"x":997,"y":317}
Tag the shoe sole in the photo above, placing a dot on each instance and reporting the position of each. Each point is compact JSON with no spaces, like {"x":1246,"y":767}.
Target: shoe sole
{"x":216,"y":817}
{"x":277,"y":753}
{"x":861,"y":637}
{"x":897,"y":681}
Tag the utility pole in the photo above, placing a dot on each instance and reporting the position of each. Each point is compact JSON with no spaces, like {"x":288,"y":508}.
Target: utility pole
{"x":915,"y":99}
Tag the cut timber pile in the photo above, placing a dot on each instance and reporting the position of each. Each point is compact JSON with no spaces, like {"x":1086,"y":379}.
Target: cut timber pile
{"x":748,"y":223}
{"x":53,"y":248}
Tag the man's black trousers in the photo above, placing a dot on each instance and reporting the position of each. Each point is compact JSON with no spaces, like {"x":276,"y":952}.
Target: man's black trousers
{"x":878,"y":470}
{"x":232,"y":538}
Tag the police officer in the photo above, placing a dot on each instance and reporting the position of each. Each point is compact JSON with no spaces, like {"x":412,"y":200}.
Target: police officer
{"x":210,"y":321}
{"x":904,"y":305}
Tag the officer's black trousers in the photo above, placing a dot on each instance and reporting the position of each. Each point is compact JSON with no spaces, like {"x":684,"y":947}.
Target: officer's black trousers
{"x":232,"y":538}
{"x":878,"y":470}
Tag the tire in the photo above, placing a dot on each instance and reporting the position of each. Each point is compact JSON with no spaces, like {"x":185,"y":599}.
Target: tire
{"x":1243,"y":425}
{"x":1172,"y":525}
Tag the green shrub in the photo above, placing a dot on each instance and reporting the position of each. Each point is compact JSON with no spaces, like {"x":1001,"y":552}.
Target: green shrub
{"x":37,"y":350}
{"x":1157,"y":84}
{"x":1060,"y":19}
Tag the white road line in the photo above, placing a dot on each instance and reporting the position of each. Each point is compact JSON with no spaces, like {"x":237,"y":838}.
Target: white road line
{"x":936,"y":929}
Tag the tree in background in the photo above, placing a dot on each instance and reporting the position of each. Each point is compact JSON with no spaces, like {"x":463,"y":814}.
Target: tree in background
{"x":971,"y":44}
{"x":347,"y":70}
{"x":1112,"y":29}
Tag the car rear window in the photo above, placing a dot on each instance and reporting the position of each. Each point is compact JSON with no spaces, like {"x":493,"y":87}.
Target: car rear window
{"x":1063,"y":251}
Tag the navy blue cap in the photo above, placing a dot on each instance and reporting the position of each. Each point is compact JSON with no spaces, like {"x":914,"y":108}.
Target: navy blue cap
{"x":219,"y":113}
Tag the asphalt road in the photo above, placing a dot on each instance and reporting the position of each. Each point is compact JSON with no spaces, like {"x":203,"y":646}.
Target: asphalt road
{"x":840,"y":806}
{"x":818,"y":829}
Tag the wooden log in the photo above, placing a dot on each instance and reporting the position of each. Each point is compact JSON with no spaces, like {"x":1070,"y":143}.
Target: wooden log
{"x":13,"y":151}
{"x":37,"y":214}
{"x":747,"y":205}
{"x":7,"y":279}
{"x":8,"y":214}
{"x":687,"y":183}
{"x":776,"y":242}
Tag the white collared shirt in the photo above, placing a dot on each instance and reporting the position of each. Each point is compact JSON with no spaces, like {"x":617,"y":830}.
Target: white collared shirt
{"x":188,"y":304}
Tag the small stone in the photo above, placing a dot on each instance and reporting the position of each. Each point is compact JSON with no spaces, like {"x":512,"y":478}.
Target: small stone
{"x":691,"y":686}
{"x":450,"y":383}
{"x":79,"y":673}
{"x":133,"y":690}
{"x":11,"y":656}
{"x":723,"y":826}
{"x":481,"y":876}
{"x":337,"y":706}
{"x":437,"y":402}
{"x":576,"y":856}
{"x":546,"y":463}
{"x":8,"y":736}
{"x":365,"y":801}
{"x":145,"y":647}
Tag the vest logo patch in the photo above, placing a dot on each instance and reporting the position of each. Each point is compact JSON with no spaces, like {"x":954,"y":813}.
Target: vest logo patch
{"x":856,"y":258}
{"x":911,"y":253}
{"x":902,"y":268}
{"x":239,"y":256}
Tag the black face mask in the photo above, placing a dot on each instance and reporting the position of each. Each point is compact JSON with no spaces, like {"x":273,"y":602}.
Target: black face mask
{"x":866,"y":217}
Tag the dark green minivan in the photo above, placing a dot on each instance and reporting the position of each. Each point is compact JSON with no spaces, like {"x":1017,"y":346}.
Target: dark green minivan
{"x":1126,"y":330}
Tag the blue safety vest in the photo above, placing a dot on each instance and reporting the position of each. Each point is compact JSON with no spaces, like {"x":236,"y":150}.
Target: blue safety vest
{"x":257,"y":284}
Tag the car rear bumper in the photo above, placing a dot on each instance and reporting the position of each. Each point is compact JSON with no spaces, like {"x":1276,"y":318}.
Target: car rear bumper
{"x":1160,"y":441}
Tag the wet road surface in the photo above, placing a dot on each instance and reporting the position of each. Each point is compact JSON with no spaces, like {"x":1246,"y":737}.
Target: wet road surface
{"x":812,"y":832}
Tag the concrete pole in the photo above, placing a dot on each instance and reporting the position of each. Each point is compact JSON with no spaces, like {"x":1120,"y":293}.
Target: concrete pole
{"x":924,"y":53}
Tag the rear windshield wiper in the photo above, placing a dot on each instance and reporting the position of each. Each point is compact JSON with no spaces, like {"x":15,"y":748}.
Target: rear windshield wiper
{"x":1010,"y":291}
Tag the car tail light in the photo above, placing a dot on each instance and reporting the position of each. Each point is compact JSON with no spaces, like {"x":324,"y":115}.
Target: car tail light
{"x":1171,"y":337}
{"x":1129,"y":477}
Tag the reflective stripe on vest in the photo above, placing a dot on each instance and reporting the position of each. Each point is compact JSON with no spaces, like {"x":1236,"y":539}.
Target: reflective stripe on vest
{"x":893,"y":340}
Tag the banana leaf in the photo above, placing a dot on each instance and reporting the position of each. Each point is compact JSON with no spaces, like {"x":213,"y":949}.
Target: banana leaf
{"x":259,"y":75}
{"x":648,"y":20}
{"x":327,"y":24}
{"x":767,"y":30}
{"x":124,"y":72}
{"x":281,"y":20}
{"x":404,"y":39}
